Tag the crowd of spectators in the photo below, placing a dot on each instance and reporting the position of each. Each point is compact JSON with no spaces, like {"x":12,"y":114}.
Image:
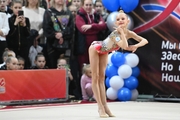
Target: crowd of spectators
{"x":29,"y":29}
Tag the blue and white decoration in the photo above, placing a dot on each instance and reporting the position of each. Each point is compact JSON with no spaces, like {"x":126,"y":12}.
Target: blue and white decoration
{"x":121,"y":76}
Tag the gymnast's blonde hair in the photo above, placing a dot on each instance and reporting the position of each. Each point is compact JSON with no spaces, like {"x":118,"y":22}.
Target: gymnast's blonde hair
{"x":121,"y":11}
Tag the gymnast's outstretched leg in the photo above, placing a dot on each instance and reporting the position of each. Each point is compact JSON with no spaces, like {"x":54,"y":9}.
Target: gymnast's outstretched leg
{"x":94,"y":63}
{"x":103,"y":59}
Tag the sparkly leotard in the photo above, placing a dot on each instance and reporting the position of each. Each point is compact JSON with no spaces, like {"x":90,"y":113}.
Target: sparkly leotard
{"x":107,"y":45}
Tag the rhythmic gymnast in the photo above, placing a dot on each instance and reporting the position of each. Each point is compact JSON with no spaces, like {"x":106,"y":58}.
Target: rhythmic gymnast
{"x":98,"y":54}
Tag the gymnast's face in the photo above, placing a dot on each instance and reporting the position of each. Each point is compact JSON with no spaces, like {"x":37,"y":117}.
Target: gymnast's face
{"x":122,"y":20}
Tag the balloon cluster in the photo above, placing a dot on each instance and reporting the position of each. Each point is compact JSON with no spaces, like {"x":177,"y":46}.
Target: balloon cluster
{"x":122,"y":73}
{"x":126,"y":5}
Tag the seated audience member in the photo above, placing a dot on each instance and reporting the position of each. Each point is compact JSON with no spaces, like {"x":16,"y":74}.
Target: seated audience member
{"x":7,"y":53}
{"x":86,"y":80}
{"x":40,"y":62}
{"x":11,"y":64}
{"x":35,"y":48}
{"x":21,"y":63}
{"x":62,"y":64}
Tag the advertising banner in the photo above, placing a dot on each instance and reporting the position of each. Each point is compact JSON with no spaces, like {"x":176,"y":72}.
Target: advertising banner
{"x":32,"y":84}
{"x":159,"y":22}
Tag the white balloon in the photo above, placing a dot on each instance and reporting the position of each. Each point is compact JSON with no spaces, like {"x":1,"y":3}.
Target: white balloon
{"x":135,"y":94}
{"x":111,"y":20}
{"x":116,"y":82}
{"x":124,"y":71}
{"x":132,"y":59}
{"x":131,"y":23}
{"x":111,"y":93}
{"x":109,"y":58}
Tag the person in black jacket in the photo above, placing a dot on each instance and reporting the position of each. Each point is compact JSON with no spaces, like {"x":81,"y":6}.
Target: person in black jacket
{"x":58,"y":27}
{"x":19,"y":31}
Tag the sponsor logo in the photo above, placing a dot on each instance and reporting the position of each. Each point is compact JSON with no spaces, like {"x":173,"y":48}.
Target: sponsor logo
{"x":2,"y":85}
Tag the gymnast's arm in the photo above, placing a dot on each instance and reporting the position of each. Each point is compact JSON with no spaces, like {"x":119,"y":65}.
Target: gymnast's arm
{"x":119,"y":38}
{"x":141,"y":41}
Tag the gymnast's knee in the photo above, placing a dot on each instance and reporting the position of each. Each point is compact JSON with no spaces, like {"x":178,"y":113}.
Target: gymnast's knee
{"x":95,"y":78}
{"x":102,"y":76}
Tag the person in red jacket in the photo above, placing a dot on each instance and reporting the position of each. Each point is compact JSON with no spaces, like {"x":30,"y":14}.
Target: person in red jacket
{"x":89,"y":23}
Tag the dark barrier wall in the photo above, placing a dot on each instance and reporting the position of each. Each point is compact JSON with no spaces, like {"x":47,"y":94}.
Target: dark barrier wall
{"x":159,"y":22}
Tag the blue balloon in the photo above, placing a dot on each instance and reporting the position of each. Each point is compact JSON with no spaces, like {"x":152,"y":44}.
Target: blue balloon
{"x":124,"y":94}
{"x":107,"y":82}
{"x":128,"y":5}
{"x":118,"y":59}
{"x":111,"y":5}
{"x":111,"y":70}
{"x":135,"y":71}
{"x":131,"y":83}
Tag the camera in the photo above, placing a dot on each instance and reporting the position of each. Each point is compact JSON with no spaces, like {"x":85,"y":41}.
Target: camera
{"x":20,"y":13}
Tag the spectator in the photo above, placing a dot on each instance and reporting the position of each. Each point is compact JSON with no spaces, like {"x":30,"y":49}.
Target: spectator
{"x":19,"y":31}
{"x":100,"y":9}
{"x":73,"y":10}
{"x":40,"y":62}
{"x":62,"y":64}
{"x":34,"y":48}
{"x":7,"y":53}
{"x":9,"y":3}
{"x":11,"y":64}
{"x":44,"y":4}
{"x":77,"y":3}
{"x":89,"y":26}
{"x":86,"y":80}
{"x":74,"y":61}
{"x":58,"y":28}
{"x":4,"y":8}
{"x":4,"y":29}
{"x":21,"y":63}
{"x":35,"y":15}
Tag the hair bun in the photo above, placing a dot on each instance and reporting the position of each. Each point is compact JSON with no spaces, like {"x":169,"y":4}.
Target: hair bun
{"x":121,"y":11}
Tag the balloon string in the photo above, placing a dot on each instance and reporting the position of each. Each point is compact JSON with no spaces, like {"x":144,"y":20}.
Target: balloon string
{"x":150,"y":28}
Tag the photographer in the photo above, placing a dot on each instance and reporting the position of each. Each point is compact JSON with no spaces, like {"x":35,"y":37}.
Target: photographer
{"x":19,"y":31}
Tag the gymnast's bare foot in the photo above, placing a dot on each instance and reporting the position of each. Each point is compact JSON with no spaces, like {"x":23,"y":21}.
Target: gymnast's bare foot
{"x":102,"y":113}
{"x":108,"y":111}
